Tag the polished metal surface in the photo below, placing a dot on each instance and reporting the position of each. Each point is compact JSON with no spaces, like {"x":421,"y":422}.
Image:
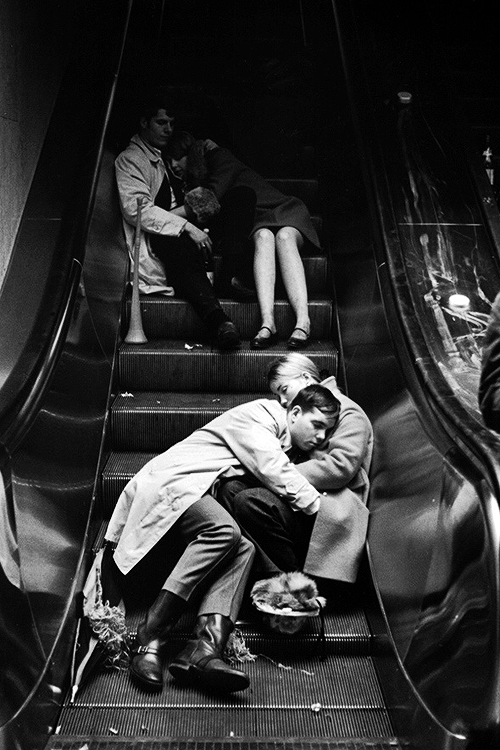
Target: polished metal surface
{"x":410,"y":359}
{"x":434,"y":529}
{"x":48,"y":489}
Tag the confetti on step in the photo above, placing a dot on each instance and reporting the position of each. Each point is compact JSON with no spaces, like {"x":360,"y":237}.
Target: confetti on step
{"x":285,"y":667}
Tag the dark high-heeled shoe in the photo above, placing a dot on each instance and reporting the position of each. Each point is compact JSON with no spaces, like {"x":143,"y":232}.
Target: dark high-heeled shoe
{"x":298,"y":343}
{"x":263,"y":342}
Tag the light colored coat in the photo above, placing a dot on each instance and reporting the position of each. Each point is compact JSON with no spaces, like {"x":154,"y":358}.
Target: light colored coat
{"x":139,"y":173}
{"x":341,"y":473}
{"x":250,"y":437}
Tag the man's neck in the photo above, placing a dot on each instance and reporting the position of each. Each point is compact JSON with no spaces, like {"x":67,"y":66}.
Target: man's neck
{"x":153,"y":149}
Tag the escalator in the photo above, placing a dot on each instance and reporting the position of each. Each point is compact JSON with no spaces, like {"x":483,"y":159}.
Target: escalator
{"x":167,"y":388}
{"x":410,"y":653}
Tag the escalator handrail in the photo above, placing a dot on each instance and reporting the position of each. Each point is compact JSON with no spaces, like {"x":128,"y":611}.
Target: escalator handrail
{"x":39,"y":337}
{"x":451,"y":422}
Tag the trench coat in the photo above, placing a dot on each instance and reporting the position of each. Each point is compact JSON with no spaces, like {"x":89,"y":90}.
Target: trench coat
{"x":340,"y":472}
{"x":251,"y":437}
{"x":274,"y":208}
{"x":139,"y":171}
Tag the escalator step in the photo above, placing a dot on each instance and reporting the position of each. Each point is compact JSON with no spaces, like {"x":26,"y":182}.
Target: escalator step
{"x":153,"y":743}
{"x":315,"y":269}
{"x":120,"y":467}
{"x":187,"y":366}
{"x":308,"y":698}
{"x":174,"y":318}
{"x":155,"y":421}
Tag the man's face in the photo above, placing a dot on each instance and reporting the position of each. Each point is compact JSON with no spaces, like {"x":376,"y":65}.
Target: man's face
{"x":309,"y":429}
{"x":158,"y":130}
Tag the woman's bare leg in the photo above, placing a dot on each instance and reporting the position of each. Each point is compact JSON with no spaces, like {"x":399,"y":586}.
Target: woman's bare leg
{"x":288,"y":242}
{"x":264,"y":269}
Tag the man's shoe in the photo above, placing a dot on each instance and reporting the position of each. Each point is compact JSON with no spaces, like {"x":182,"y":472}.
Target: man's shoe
{"x":200,"y":663}
{"x":146,"y":665}
{"x":227,"y":336}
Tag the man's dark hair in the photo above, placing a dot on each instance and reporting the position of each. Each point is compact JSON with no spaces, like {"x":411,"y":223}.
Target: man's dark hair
{"x":316,"y":396}
{"x":155,"y":101}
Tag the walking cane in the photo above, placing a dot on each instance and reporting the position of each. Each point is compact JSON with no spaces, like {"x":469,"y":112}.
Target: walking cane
{"x":135,"y":333}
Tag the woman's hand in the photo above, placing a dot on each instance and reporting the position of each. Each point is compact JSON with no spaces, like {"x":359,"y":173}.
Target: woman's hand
{"x":209,"y":144}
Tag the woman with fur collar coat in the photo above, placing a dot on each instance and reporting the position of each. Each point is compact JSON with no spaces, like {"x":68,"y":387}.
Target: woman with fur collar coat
{"x":329,"y":544}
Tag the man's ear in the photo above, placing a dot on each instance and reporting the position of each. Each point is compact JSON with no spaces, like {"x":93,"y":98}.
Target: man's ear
{"x":143,"y":123}
{"x":295,"y":412}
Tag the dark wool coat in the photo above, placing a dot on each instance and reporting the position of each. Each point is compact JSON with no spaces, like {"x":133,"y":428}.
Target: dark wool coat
{"x":274,"y":208}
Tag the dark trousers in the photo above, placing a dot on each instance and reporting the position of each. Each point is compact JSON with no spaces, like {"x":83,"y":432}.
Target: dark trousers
{"x":186,"y":272}
{"x":232,"y":230}
{"x":280,"y":535}
{"x":203,"y":558}
{"x":185,"y":267}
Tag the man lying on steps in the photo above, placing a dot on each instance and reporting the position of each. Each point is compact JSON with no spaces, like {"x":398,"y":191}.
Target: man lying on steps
{"x":167,"y":516}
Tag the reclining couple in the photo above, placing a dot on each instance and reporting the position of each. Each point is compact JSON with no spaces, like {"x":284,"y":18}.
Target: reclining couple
{"x":227,"y":502}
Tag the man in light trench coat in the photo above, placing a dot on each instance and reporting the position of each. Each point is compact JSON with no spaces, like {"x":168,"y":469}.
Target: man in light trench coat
{"x":168,"y":505}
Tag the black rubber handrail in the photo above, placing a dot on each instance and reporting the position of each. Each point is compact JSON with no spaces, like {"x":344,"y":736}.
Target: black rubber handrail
{"x":451,"y":422}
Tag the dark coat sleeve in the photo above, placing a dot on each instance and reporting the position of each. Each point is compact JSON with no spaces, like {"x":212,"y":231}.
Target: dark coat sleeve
{"x":489,"y":381}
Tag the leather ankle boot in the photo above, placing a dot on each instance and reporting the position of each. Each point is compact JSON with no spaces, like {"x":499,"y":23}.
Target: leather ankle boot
{"x":200,"y":662}
{"x":146,"y":665}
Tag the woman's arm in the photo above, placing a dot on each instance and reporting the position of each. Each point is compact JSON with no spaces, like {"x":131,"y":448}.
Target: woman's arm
{"x":336,"y":465}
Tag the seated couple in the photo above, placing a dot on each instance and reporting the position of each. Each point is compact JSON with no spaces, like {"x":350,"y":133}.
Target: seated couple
{"x":170,"y":531}
{"x":255,"y":225}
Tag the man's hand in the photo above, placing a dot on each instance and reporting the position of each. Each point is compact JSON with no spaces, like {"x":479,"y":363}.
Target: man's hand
{"x":201,"y":239}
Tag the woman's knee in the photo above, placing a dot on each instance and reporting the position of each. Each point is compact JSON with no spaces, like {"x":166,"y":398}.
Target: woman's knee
{"x":263,"y":236}
{"x":288,"y":236}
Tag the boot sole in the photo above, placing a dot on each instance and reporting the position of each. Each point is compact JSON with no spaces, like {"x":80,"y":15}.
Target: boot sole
{"x":214,"y":680}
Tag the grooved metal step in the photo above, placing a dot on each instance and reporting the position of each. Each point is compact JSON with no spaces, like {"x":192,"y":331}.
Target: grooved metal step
{"x":298,"y":697}
{"x":119,"y":468}
{"x":174,"y":318}
{"x":155,"y":421}
{"x":262,"y":743}
{"x":173,"y":365}
{"x":315,"y":269}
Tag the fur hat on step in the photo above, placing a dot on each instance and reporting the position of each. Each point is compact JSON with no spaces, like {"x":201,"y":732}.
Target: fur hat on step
{"x":286,"y":601}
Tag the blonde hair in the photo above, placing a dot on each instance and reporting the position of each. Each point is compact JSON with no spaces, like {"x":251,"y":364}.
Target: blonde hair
{"x":292,"y":366}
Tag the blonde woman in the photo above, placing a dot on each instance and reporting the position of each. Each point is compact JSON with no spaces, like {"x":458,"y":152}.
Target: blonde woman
{"x":330,"y":543}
